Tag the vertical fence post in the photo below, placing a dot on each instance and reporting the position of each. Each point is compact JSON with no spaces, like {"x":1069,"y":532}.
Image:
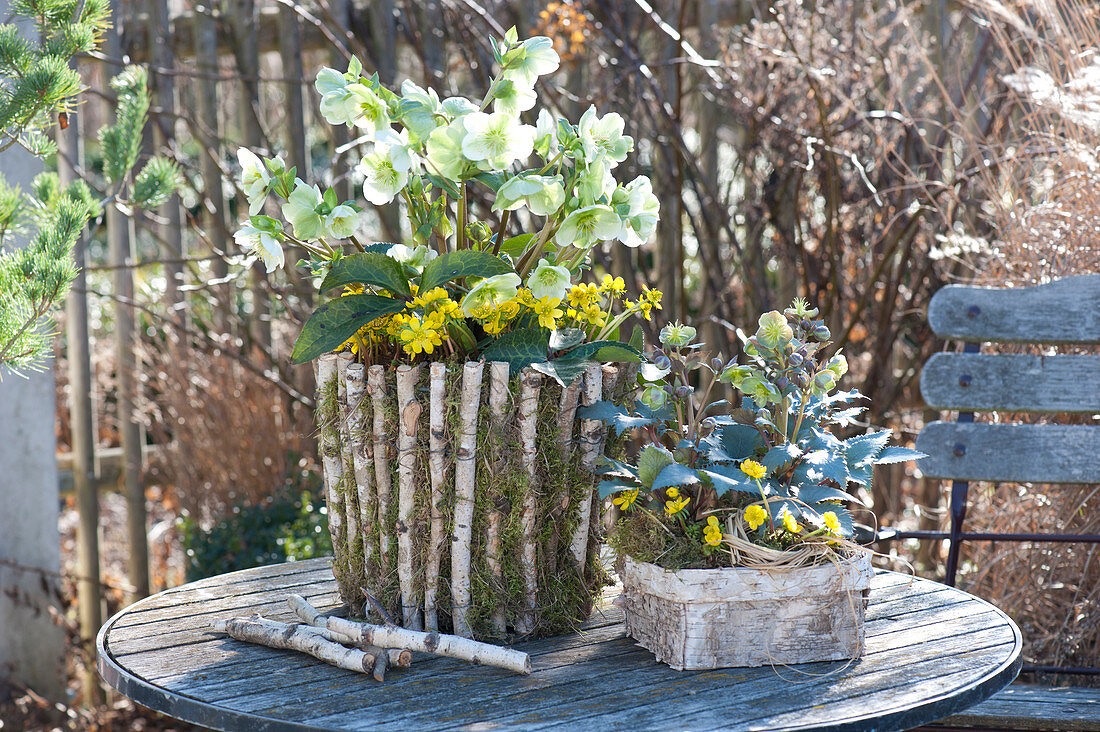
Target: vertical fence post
{"x":82,"y":428}
{"x":120,"y":251}
{"x":206,"y":133}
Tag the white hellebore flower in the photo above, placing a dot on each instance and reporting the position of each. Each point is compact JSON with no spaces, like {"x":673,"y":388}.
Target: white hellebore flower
{"x":254,"y":179}
{"x":444,"y":150}
{"x":372,"y":114}
{"x":640,"y":222}
{"x":586,"y":226}
{"x":603,"y":136}
{"x":490,"y":292}
{"x":266,"y":246}
{"x":300,"y":210}
{"x":512,"y":97}
{"x":546,"y":134}
{"x":537,"y":57}
{"x":548,"y":281}
{"x":420,"y":120}
{"x":595,"y":182}
{"x":342,"y":222}
{"x":381,"y":178}
{"x":415,"y":257}
{"x":338,"y":105}
{"x":498,"y":139}
{"x":542,"y":194}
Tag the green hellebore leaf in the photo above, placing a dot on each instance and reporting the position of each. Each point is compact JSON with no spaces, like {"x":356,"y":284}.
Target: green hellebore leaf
{"x":637,"y":338}
{"x":566,"y":338}
{"x":369,"y":268}
{"x":562,"y":370}
{"x":895,"y":454}
{"x":445,"y":185}
{"x":615,"y":417}
{"x":821,"y":493}
{"x":520,"y":348}
{"x":517,"y":245}
{"x":864,"y":448}
{"x":615,"y":348}
{"x":651,"y":461}
{"x":676,"y":474}
{"x":609,"y":487}
{"x":336,"y":321}
{"x":455,"y":265}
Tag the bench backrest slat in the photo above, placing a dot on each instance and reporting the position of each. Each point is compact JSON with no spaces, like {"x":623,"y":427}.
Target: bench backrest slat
{"x":982,"y":382}
{"x":1065,"y":311}
{"x":1010,"y":453}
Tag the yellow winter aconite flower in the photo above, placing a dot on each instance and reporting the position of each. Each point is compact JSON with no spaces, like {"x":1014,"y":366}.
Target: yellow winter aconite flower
{"x":613,"y":285}
{"x":790,"y":524}
{"x":650,"y":299}
{"x":625,"y":499}
{"x":753,"y":469}
{"x":676,"y":505}
{"x":548,"y":311}
{"x":832,"y":523}
{"x":594,"y":316}
{"x":712,"y":532}
{"x":583,"y":295}
{"x":421,"y":335}
{"x":673,"y":492}
{"x":755,"y":516}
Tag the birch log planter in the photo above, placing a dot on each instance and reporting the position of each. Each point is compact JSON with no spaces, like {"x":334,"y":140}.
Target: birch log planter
{"x":461,"y":496}
{"x":737,"y":616}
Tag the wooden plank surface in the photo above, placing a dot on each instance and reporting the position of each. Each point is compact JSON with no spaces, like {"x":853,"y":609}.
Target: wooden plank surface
{"x":931,"y":650}
{"x":1064,"y":311}
{"x":1035,"y":708}
{"x":1015,"y":453}
{"x":986,"y":382}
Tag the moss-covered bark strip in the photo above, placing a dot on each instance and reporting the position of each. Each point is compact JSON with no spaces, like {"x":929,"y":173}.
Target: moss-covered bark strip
{"x":328,"y":415}
{"x":408,"y":426}
{"x":348,"y":489}
{"x":495,"y":458}
{"x":362,"y":453}
{"x":438,"y":463}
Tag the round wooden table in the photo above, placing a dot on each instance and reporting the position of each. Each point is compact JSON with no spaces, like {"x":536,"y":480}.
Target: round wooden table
{"x":931,"y":651}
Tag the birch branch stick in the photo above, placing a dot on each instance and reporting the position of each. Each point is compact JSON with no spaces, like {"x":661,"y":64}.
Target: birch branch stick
{"x":437,"y":468}
{"x":301,"y":638}
{"x":331,"y":458}
{"x":408,"y":421}
{"x":591,"y":440}
{"x":350,"y":495}
{"x":529,"y":383}
{"x":465,"y":480}
{"x":376,"y":385}
{"x":498,"y":400}
{"x":362,"y":458}
{"x":439,"y":644}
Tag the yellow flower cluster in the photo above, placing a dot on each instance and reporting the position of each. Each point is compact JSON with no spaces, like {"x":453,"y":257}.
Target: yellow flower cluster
{"x":675,"y":503}
{"x":418,"y":334}
{"x":625,"y":499}
{"x":832,"y":523}
{"x":753,"y":469}
{"x":712,"y":532}
{"x":755,"y":516}
{"x":645,"y":304}
{"x":790,"y":524}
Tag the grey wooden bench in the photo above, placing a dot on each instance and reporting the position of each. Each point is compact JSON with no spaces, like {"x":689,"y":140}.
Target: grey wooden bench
{"x":1064,"y":312}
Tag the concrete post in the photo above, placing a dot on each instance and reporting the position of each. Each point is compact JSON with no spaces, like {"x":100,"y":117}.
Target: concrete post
{"x":32,"y":645}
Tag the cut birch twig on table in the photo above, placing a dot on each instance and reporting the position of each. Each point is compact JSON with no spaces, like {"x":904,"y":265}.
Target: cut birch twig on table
{"x":439,"y":644}
{"x":301,"y":638}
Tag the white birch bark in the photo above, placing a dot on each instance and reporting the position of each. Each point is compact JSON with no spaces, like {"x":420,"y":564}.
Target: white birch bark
{"x":465,"y":481}
{"x":529,"y":383}
{"x":347,"y":489}
{"x":498,"y":403}
{"x":407,"y":424}
{"x":301,"y":638}
{"x":331,"y":460}
{"x":376,"y":386}
{"x":591,"y":441}
{"x":439,"y":644}
{"x":437,"y":469}
{"x":362,"y":457}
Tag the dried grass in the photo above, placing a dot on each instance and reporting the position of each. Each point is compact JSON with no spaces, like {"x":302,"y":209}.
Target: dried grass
{"x":230,"y":438}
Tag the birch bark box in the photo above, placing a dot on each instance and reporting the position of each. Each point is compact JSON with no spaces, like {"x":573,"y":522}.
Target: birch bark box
{"x":738,"y":616}
{"x":461,"y":495}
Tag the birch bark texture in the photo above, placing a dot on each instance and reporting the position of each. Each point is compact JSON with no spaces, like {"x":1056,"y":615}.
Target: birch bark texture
{"x":464,"y":493}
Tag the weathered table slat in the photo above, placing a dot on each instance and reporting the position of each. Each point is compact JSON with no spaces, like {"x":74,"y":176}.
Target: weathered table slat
{"x":1032,"y":707}
{"x":931,"y":651}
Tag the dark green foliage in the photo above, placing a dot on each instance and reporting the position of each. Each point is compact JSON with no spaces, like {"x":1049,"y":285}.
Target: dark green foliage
{"x":290,"y":525}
